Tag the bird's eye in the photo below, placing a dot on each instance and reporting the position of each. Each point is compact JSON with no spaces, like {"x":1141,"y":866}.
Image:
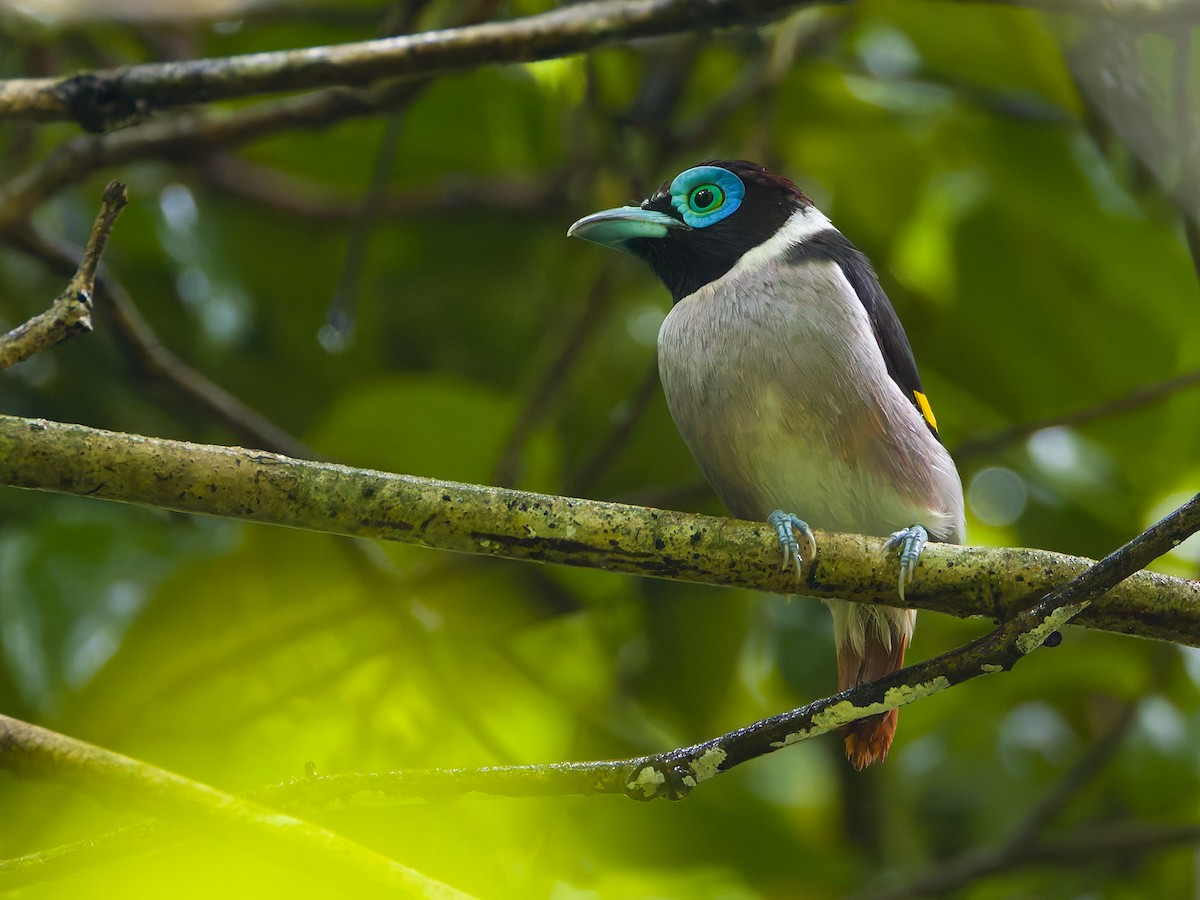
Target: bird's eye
{"x":705,"y":195}
{"x":706,"y":198}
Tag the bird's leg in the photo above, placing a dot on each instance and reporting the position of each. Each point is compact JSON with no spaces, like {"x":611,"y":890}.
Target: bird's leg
{"x":788,"y":526}
{"x":911,"y":541}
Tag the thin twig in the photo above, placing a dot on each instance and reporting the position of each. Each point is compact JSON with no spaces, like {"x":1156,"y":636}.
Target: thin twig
{"x":294,"y":195}
{"x":337,"y":333}
{"x":114,"y":200}
{"x":1144,"y":396}
{"x":340,"y":319}
{"x":1187,"y":144}
{"x":1122,"y":841}
{"x":628,"y":415}
{"x":1026,"y":844}
{"x":149,"y":356}
{"x":1078,"y":777}
{"x":554,"y":379}
{"x":43,"y":866}
{"x":189,"y":137}
{"x":1191,"y":233}
{"x":71,"y":312}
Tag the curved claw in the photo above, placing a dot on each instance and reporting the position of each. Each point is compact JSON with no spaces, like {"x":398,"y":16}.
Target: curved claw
{"x":787,"y":526}
{"x":911,"y":541}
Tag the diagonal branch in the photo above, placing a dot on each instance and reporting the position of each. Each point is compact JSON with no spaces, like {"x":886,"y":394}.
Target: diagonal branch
{"x":293,"y":195}
{"x":257,"y":486}
{"x":552,"y":381}
{"x":1136,"y":399}
{"x":33,"y":752}
{"x":672,"y":775}
{"x":71,"y":312}
{"x":152,"y":360}
{"x":188,"y":137}
{"x":1027,"y":841}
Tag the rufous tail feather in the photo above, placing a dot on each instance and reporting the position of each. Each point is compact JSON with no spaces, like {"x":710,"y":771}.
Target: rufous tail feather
{"x":868,"y":740}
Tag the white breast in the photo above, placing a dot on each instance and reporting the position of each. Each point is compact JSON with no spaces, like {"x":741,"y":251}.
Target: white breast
{"x":778,"y":387}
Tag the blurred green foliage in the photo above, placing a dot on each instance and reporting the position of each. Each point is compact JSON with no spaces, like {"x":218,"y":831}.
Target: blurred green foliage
{"x":1039,"y":265}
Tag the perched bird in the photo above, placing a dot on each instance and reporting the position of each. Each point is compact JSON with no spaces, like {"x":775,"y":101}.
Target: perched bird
{"x":793,"y":384}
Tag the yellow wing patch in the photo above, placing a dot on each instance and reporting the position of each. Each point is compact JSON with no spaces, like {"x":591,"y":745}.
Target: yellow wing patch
{"x":926,"y":409}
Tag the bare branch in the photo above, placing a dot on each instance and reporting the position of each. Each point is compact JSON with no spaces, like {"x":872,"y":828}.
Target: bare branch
{"x":1124,"y":841}
{"x":188,"y":137}
{"x":33,"y":752}
{"x":151,"y":358}
{"x":552,"y":381}
{"x":264,"y":487}
{"x":1144,"y":396}
{"x":313,"y":793}
{"x":628,"y":415}
{"x":1025,"y":845}
{"x":114,"y":200}
{"x":97,"y":100}
{"x":294,"y":195}
{"x":79,"y":856}
{"x":71,"y":313}
{"x":341,"y":317}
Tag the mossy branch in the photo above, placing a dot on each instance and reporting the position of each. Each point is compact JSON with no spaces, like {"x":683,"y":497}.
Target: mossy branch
{"x":269,"y":488}
{"x":265,"y":487}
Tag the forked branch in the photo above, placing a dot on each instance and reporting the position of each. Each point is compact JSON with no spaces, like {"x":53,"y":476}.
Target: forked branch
{"x":71,"y":312}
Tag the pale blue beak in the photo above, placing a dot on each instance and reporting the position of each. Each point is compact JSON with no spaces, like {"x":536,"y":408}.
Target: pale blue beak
{"x":615,"y":227}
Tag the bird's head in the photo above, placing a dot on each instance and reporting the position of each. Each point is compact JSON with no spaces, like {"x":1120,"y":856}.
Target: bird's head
{"x":694,"y":228}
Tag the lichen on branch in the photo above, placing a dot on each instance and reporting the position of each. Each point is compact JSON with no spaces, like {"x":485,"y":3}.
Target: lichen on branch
{"x":266,"y":487}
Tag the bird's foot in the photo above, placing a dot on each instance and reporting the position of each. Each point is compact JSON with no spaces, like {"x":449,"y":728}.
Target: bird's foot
{"x":911,"y":541}
{"x":789,"y":528}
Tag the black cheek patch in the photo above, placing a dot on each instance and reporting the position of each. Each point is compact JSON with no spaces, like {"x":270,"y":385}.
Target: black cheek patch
{"x":685,"y":261}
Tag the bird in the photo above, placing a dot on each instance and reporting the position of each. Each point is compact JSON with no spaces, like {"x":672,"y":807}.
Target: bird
{"x":793,"y":384}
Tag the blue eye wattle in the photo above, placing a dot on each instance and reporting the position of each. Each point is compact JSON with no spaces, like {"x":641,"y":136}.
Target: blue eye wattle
{"x":706,"y":194}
